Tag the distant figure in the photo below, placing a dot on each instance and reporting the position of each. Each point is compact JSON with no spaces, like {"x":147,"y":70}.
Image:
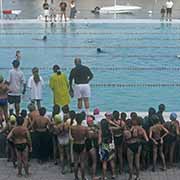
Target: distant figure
{"x":163,"y":11}
{"x":169,"y":5}
{"x":42,"y":39}
{"x":52,"y":11}
{"x":73,"y":10}
{"x":99,"y":50}
{"x":46,"y":10}
{"x":96,"y":10}
{"x":18,"y":55}
{"x":63,"y":6}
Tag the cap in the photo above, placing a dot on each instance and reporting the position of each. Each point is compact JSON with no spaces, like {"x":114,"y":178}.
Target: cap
{"x":57,"y":119}
{"x":173,"y":116}
{"x":12,"y":118}
{"x":96,"y":111}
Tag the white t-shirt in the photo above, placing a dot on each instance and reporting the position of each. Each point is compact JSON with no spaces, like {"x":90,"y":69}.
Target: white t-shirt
{"x":16,"y":80}
{"x":35,"y":88}
{"x":169,"y":4}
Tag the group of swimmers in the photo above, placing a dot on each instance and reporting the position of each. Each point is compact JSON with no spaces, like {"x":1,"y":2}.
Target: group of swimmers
{"x":104,"y":138}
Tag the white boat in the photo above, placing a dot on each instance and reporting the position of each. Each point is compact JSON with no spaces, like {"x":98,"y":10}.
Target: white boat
{"x":118,"y":9}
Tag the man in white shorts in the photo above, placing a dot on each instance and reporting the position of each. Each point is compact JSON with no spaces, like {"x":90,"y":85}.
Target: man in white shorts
{"x":82,"y":76}
{"x":169,"y":5}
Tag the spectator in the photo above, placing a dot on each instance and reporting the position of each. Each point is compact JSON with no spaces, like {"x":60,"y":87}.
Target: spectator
{"x":169,"y":5}
{"x":46,"y":10}
{"x":63,"y":6}
{"x":73,"y":10}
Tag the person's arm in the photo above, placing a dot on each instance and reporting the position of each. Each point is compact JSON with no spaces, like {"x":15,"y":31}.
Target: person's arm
{"x":51,"y":84}
{"x":24,"y":84}
{"x":90,"y":74}
{"x":100,"y":137}
{"x":66,"y":80}
{"x":150,"y":136}
{"x":10,"y":135}
{"x":29,"y":141}
{"x":71,"y":77}
{"x":165,"y":130}
{"x":145,"y":135}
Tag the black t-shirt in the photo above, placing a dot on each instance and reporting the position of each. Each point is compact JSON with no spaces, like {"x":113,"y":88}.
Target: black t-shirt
{"x":81,"y":74}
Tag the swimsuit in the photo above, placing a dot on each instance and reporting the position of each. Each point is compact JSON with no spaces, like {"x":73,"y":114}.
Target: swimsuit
{"x":134,"y":147}
{"x":91,"y":143}
{"x":78,"y":148}
{"x":3,"y":102}
{"x":21,"y":147}
{"x":118,"y":140}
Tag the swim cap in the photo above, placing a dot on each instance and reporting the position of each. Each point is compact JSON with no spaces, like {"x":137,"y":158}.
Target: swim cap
{"x":1,"y":78}
{"x":12,"y":118}
{"x":173,"y":116}
{"x":57,"y":119}
{"x":96,"y":111}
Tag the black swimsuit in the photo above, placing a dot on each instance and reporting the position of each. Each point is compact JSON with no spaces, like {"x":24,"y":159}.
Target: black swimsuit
{"x":21,"y":147}
{"x":78,"y":148}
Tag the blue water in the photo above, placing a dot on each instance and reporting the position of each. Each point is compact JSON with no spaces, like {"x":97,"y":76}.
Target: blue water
{"x":135,"y":54}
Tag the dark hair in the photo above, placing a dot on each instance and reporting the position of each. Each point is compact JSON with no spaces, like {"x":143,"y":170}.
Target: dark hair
{"x":79,"y":118}
{"x":123,"y":115}
{"x":151,"y":111}
{"x":162,"y":107}
{"x":23,"y":113}
{"x":155,"y":118}
{"x":83,"y":114}
{"x":15,"y":63}
{"x":106,"y":133}
{"x":56,"y":69}
{"x":115,"y":115}
{"x":20,"y":120}
{"x":56,"y":110}
{"x":42,"y":111}
{"x":36,"y":76}
{"x":65,"y":109}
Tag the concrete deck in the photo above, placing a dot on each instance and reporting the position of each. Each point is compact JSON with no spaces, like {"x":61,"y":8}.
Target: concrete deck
{"x":92,"y":21}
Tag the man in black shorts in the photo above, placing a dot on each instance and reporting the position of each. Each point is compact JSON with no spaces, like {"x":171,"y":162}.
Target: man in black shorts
{"x":169,"y":5}
{"x":16,"y":80}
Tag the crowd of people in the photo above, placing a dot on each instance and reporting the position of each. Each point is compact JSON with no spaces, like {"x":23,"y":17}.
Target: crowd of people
{"x":51,"y":10}
{"x":71,"y":138}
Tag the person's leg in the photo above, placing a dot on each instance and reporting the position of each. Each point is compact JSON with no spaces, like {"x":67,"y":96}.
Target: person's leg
{"x":162,"y":156}
{"x":130,"y":162}
{"x":104,"y":169}
{"x":25,"y":161}
{"x":80,"y":104}
{"x":65,"y":16}
{"x":5,"y":110}
{"x":61,"y":16}
{"x":19,"y":162}
{"x":94,"y":161}
{"x":112,"y":168}
{"x":38,"y":101}
{"x":137,"y":161}
{"x":17,"y":104}
{"x":120,"y":152}
{"x":76,"y":165}
{"x":82,"y":164}
{"x":54,"y":141}
{"x":155,"y":148}
{"x":61,"y":156}
{"x":67,"y":154}
{"x":86,"y":104}
{"x":171,"y":154}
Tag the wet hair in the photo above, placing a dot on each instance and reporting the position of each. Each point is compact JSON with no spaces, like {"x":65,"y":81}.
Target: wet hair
{"x":106,"y":133}
{"x":77,"y":61}
{"x":162,"y":107}
{"x":151,"y":111}
{"x":15,"y":63}
{"x":36,"y":76}
{"x":20,"y":120}
{"x":115,"y":115}
{"x":44,"y":38}
{"x":79,"y":118}
{"x":99,"y":50}
{"x":123,"y":115}
{"x":56,"y":110}
{"x":139,"y":120}
{"x":133,"y":115}
{"x":31,"y":107}
{"x":65,"y":109}
{"x":42,"y":111}
{"x":129,"y":123}
{"x":155,"y":119}
{"x":56,"y":69}
{"x":72,"y":116}
{"x":23,"y":113}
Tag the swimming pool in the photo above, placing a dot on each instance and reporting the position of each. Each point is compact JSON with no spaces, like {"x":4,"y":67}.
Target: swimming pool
{"x":139,"y":68}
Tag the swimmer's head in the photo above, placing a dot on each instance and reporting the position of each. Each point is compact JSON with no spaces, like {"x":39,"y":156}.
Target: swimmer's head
{"x":44,"y":38}
{"x":12,"y":119}
{"x":77,"y":61}
{"x":162,"y":107}
{"x":173,"y":116}
{"x":57,"y":119}
{"x":99,"y":50}
{"x":16,"y":63}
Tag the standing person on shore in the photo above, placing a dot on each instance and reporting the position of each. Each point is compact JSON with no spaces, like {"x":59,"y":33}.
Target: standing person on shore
{"x":63,"y":6}
{"x":60,"y":88}
{"x":16,"y":80}
{"x":46,"y":10}
{"x":35,"y":84}
{"x":169,"y":5}
{"x":73,"y":10}
{"x":163,"y":11}
{"x":22,"y":141}
{"x":82,"y":75}
{"x":53,"y":11}
{"x":18,"y":55}
{"x":3,"y":98}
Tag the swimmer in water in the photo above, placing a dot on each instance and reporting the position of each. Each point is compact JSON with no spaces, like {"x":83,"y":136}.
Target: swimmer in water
{"x":99,"y":50}
{"x":43,"y":39}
